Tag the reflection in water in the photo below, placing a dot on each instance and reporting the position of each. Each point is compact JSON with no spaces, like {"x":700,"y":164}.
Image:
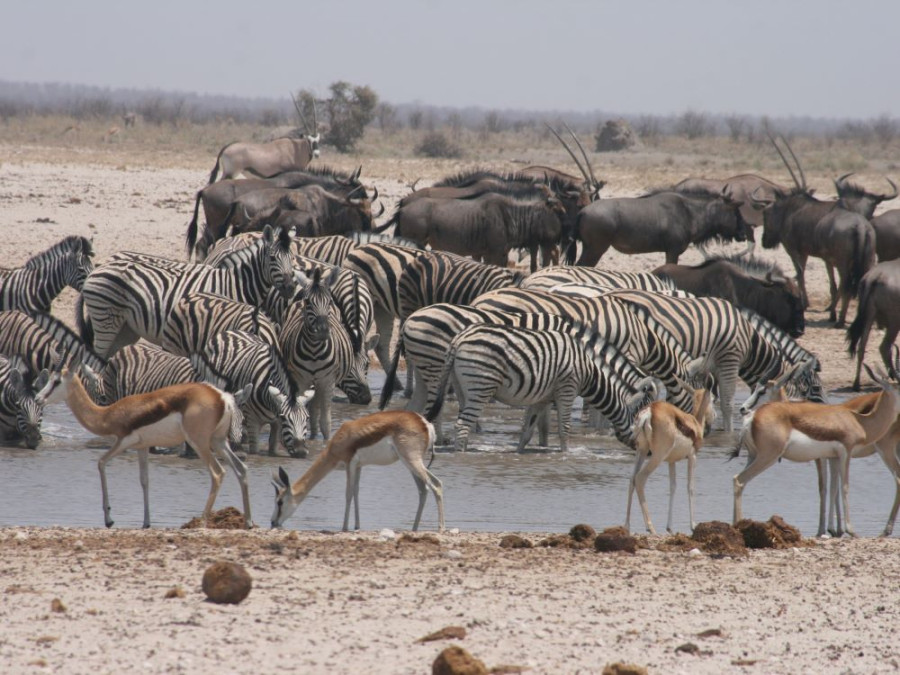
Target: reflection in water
{"x":492,"y":489}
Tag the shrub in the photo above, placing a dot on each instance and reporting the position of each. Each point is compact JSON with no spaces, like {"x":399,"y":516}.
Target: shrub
{"x":348,"y":110}
{"x":436,"y":144}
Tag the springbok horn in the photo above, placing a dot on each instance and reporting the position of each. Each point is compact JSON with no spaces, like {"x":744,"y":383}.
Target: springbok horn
{"x":796,"y":161}
{"x":569,"y":150}
{"x":786,"y":164}
{"x":886,"y":197}
{"x":583,"y":154}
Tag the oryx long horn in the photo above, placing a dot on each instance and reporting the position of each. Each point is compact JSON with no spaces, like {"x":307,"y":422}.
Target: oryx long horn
{"x":784,"y":159}
{"x":300,"y":113}
{"x":316,"y":122}
{"x":796,"y":161}
{"x":583,"y":154}
{"x":569,"y":150}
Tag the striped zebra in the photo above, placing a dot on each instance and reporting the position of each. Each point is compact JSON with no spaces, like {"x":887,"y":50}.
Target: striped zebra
{"x":235,"y":359}
{"x":651,"y":346}
{"x":351,"y":296}
{"x":34,"y":286}
{"x":380,"y":266}
{"x":437,"y":276}
{"x":21,"y":409}
{"x":67,"y":342}
{"x":320,"y":354}
{"x":22,"y":336}
{"x":336,"y":247}
{"x":198,"y":317}
{"x":132,"y":295}
{"x":716,"y":328}
{"x":807,"y":384}
{"x":547,"y":278}
{"x":518,"y":366}
{"x":136,"y":369}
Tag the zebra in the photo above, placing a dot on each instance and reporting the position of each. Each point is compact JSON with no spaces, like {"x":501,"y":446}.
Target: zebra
{"x":21,"y":408}
{"x":34,"y":286}
{"x":336,"y":247}
{"x":132,"y":295}
{"x":717,"y":329}
{"x":437,"y":276}
{"x":22,"y":336}
{"x":319,"y":353}
{"x":198,"y":317}
{"x":547,"y":278}
{"x":807,"y":384}
{"x":380,"y":266}
{"x":68,"y":342}
{"x":518,"y":366}
{"x":353,"y":298}
{"x":651,"y":346}
{"x":235,"y":359}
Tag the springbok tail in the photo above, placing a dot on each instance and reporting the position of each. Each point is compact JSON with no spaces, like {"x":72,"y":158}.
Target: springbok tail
{"x":388,"y":389}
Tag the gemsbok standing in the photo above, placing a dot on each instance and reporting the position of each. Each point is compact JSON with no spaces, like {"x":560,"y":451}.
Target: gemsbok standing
{"x":802,"y":432}
{"x":197,"y":413}
{"x":380,"y":439}
{"x":664,"y":433}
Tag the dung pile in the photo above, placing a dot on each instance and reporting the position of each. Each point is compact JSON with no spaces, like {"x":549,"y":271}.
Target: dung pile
{"x":228,"y":518}
{"x":774,"y":533}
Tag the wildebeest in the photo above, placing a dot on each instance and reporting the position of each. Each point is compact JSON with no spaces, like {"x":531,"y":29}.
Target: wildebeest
{"x":486,"y":228}
{"x":268,"y":159}
{"x":887,"y":235}
{"x":218,"y":197}
{"x":879,"y":298}
{"x":741,"y":187}
{"x":660,"y":221}
{"x":317,"y":211}
{"x":806,"y":227}
{"x":746,"y":282}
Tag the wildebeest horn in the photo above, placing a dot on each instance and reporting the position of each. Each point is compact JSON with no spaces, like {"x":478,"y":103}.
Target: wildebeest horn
{"x":840,"y":180}
{"x":375,"y":196}
{"x":380,"y":213}
{"x":412,"y":186}
{"x":888,"y":197}
{"x":569,"y":150}
{"x":583,"y":154}
{"x":355,"y":174}
{"x":786,"y":163}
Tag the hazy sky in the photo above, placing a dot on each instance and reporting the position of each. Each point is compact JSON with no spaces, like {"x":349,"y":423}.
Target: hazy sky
{"x":784,"y":57}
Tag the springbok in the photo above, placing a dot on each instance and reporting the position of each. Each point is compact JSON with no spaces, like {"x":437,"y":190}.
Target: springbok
{"x":359,"y":443}
{"x":664,"y":433}
{"x":802,"y":431}
{"x":198,"y":413}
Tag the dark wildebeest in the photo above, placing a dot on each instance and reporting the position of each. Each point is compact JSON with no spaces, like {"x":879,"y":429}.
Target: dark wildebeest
{"x":741,"y":186}
{"x":879,"y":298}
{"x":746,"y":282}
{"x":218,"y":197}
{"x":660,"y":221}
{"x":486,"y":228}
{"x":265,"y":160}
{"x":887,"y":235}
{"x":320,"y":211}
{"x":806,"y":227}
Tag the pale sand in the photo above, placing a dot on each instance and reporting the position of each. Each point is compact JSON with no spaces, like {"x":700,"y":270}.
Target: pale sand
{"x":348,"y":604}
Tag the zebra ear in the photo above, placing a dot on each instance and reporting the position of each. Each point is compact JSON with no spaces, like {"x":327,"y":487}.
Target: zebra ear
{"x":41,"y":380}
{"x":304,"y":398}
{"x":275,"y":393}
{"x":268,"y":234}
{"x":17,"y":382}
{"x":332,"y":277}
{"x":241,"y":397}
{"x":372,"y":342}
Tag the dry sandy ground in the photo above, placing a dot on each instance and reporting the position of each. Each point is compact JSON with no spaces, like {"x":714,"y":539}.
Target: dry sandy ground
{"x":341,"y":603}
{"x":357,"y":604}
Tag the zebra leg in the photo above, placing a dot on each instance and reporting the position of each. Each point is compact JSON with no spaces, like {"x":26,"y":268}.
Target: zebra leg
{"x":274,"y":437}
{"x":727,"y":374}
{"x":468,"y":416}
{"x":252,"y":436}
{"x":565,"y":399}
{"x":533,"y":414}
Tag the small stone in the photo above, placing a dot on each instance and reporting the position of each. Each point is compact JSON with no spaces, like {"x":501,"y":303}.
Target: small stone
{"x":454,"y":554}
{"x":453,"y":530}
{"x":695,"y":552}
{"x":175,"y":592}
{"x":78,"y":545}
{"x":293,"y":536}
{"x":226,"y":582}
{"x":387,"y":535}
{"x":619,"y":668}
{"x":21,"y":536}
{"x":56,"y":605}
{"x":455,"y":660}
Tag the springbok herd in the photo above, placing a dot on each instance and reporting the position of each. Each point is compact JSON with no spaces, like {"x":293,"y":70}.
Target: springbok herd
{"x":289,"y":285}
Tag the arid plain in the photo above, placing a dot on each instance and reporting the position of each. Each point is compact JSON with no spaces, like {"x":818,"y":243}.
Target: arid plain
{"x":358,"y":603}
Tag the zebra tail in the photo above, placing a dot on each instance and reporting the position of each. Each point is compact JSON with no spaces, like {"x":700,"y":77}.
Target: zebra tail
{"x":432,"y":413}
{"x":388,"y":390}
{"x":856,"y":329}
{"x":83,"y":323}
{"x":190,"y":238}
{"x":356,"y":336}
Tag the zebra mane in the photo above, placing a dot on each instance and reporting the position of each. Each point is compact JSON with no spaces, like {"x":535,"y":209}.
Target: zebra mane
{"x":363,"y":238}
{"x":283,"y":373}
{"x":757,"y":267}
{"x":769,"y":331}
{"x":59,"y":249}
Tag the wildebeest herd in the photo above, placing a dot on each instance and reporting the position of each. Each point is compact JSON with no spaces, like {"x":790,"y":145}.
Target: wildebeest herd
{"x":290,"y":285}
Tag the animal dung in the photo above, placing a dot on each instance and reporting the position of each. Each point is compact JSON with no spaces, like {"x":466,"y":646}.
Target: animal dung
{"x":455,"y":660}
{"x":57,"y":606}
{"x":445,"y":633}
{"x":615,"y":539}
{"x":515,"y":541}
{"x":226,"y":583}
{"x":582,"y":532}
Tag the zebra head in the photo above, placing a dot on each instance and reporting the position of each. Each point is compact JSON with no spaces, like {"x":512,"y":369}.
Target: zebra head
{"x":318,"y":303}
{"x":80,"y":263}
{"x":294,"y":418}
{"x":278,"y":269}
{"x":29,"y":408}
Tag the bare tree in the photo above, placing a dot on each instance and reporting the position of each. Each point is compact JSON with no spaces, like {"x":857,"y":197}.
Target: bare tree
{"x":736,"y":125}
{"x":386,"y":114}
{"x":885,"y":128}
{"x":648,"y":129}
{"x":693,"y":124}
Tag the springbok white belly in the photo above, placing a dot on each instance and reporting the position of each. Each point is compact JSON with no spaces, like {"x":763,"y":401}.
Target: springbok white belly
{"x":381,"y":453}
{"x":682,"y":448}
{"x":802,"y":448}
{"x":164,"y":432}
